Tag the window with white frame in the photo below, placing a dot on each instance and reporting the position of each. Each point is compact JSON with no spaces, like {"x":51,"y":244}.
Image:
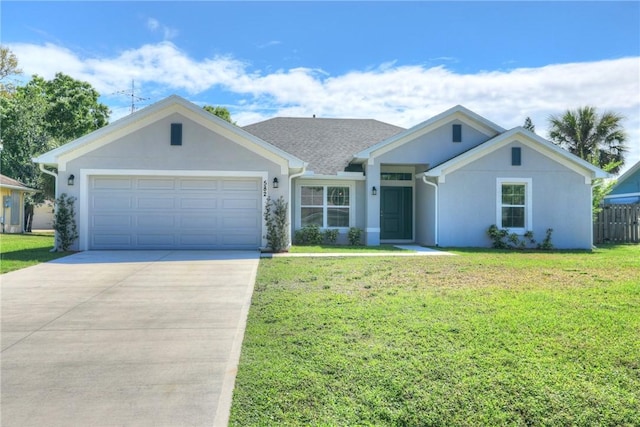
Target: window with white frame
{"x":328,"y":206}
{"x":514,"y":205}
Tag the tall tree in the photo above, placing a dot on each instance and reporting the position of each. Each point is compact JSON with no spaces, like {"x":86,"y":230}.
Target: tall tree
{"x":221,"y":112}
{"x":40,"y":116}
{"x":74,"y":109}
{"x":528,"y":125}
{"x":8,"y":67}
{"x":597,"y":138}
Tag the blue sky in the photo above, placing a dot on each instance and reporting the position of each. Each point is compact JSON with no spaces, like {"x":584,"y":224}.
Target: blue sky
{"x":400,"y":62}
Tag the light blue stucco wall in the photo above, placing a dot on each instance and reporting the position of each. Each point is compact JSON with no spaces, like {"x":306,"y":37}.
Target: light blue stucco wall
{"x":560,"y":200}
{"x":434,"y":147}
{"x":149,"y":149}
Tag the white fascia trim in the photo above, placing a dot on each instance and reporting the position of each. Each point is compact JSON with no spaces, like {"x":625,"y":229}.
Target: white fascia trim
{"x":528,"y":182}
{"x":86,"y":173}
{"x":456,"y":113}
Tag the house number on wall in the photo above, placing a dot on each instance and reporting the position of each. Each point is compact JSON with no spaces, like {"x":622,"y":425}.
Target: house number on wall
{"x":264,"y":188}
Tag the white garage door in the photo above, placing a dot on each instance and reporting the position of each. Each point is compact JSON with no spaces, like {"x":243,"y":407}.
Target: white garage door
{"x":140,"y":212}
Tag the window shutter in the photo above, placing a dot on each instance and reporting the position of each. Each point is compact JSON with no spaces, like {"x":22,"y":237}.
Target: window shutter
{"x":176,"y":133}
{"x":516,"y":156}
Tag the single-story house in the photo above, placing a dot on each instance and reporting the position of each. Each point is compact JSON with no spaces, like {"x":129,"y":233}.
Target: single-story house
{"x":13,"y":193}
{"x":174,"y":176}
{"x":626,"y":190}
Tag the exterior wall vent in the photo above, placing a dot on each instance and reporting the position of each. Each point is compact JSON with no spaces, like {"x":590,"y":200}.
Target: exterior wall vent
{"x":457,"y":133}
{"x":176,"y":133}
{"x":516,"y":156}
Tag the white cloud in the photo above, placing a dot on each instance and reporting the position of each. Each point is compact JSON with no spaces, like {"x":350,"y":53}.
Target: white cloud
{"x":153,"y":24}
{"x":400,"y":94}
{"x":168,"y":33}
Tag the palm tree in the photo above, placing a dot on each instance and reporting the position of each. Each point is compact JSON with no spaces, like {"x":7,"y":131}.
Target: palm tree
{"x":598,"y":139}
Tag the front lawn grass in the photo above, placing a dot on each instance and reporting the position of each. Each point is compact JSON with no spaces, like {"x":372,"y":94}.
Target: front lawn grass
{"x":23,"y":250}
{"x":484,"y":338}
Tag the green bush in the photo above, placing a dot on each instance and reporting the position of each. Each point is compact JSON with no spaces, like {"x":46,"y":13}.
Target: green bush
{"x":64,"y":222}
{"x":331,"y":235}
{"x":355,"y":236}
{"x":275,"y":216}
{"x":502,"y":239}
{"x":308,"y":235}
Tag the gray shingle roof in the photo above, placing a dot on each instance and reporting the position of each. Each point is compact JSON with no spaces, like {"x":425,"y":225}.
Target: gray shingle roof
{"x":328,"y":145}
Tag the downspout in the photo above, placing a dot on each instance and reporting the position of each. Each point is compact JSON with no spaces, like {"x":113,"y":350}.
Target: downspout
{"x":55,"y":205}
{"x":295,"y":175}
{"x":424,"y":179}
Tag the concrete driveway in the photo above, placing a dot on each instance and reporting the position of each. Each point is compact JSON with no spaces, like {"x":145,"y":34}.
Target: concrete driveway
{"x":123,"y":338}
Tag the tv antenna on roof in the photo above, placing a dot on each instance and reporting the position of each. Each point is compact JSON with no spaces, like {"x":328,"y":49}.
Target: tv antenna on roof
{"x":133,"y":96}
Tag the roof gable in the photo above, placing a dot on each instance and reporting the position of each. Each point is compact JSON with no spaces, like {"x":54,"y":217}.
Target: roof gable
{"x":456,"y":113}
{"x":526,"y":137}
{"x":327,"y":144}
{"x":628,"y":181}
{"x":149,"y":115}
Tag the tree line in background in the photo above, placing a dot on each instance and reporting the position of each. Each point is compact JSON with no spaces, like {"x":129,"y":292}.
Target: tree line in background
{"x":43,"y":114}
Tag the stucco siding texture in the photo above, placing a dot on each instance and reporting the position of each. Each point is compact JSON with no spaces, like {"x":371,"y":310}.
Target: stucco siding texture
{"x":435,"y":147}
{"x":469,"y":200}
{"x":149,"y":148}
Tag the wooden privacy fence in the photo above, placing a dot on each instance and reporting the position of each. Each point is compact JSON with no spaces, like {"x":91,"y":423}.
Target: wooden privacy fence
{"x":617,"y":224}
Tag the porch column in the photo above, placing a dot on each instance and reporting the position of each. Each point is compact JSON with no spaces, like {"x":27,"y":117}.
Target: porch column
{"x":372,"y":231}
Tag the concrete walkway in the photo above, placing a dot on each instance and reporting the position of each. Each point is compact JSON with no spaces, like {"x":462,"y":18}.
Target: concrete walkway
{"x":106,"y":338}
{"x":409,"y":251}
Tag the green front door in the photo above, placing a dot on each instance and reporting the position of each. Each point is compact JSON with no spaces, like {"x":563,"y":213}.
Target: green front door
{"x":396,"y":213}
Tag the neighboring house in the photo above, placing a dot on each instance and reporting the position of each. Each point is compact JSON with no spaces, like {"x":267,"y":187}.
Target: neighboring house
{"x":627,"y":188}
{"x":43,"y":215}
{"x":13,"y":193}
{"x":174,"y":176}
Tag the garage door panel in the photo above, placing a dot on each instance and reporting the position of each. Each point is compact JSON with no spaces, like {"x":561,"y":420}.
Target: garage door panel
{"x":201,"y":239}
{"x":198,"y":222}
{"x":240,"y":204}
{"x":109,"y":241}
{"x":110,"y":202}
{"x":153,"y":240}
{"x":155,"y":203}
{"x":237,"y":185}
{"x":198,"y":184}
{"x":156,"y":184}
{"x":155,"y":221}
{"x":239,"y":222}
{"x":198,"y":203}
{"x":175,"y":213}
{"x":112,"y":183}
{"x":108,"y":221}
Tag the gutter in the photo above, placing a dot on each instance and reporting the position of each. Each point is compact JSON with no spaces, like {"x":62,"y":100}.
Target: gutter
{"x":55,"y":205}
{"x":424,"y":179}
